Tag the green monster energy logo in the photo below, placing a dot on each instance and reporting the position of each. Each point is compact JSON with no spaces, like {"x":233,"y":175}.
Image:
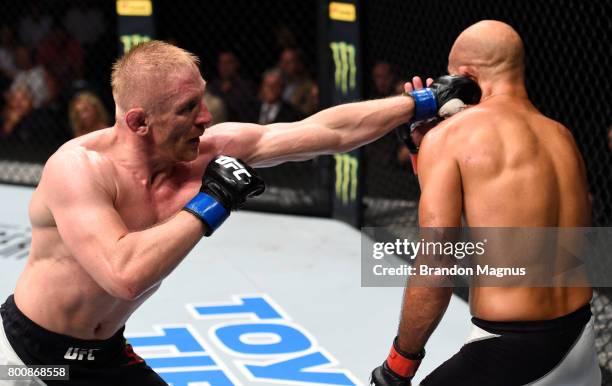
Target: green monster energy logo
{"x":346,"y":177}
{"x":345,"y":65}
{"x":130,"y":41}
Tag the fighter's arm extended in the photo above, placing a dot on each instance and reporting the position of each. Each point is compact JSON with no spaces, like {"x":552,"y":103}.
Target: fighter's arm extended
{"x":439,"y":207}
{"x":337,"y":129}
{"x":423,"y":306}
{"x":340,"y":128}
{"x":123,"y":263}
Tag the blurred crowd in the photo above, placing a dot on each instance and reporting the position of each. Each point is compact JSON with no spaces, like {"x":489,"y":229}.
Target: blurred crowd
{"x":286,"y":92}
{"x":52,"y":92}
{"x":53,"y":88}
{"x":48,"y":94}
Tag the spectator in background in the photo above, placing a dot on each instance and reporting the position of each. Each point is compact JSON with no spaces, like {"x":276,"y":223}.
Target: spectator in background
{"x":30,"y":76}
{"x":87,"y":114}
{"x":273,"y":108}
{"x":35,"y":25}
{"x":314,"y":101}
{"x":298,"y":85}
{"x":29,"y":133}
{"x":61,"y":54}
{"x":384,"y":80}
{"x":19,"y":103}
{"x":285,"y":38}
{"x":388,"y":152}
{"x":399,"y":86}
{"x":237,"y":94}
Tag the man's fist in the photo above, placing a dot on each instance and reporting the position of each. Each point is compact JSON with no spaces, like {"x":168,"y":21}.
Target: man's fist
{"x":398,"y":369}
{"x":231,"y":181}
{"x":226,"y":185}
{"x":383,"y":376}
{"x":446,"y":96}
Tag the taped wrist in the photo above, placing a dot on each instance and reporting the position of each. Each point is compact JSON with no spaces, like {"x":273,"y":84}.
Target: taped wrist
{"x":425,"y":104}
{"x":209,"y":210}
{"x":404,"y":364}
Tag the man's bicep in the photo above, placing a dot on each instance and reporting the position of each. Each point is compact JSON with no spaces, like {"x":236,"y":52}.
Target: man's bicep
{"x":441,"y":199}
{"x":235,"y":139}
{"x":272,"y":144}
{"x":88,"y":226}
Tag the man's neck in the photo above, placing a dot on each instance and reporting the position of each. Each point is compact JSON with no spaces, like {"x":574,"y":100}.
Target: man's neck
{"x":132,"y":153}
{"x":511,"y":89}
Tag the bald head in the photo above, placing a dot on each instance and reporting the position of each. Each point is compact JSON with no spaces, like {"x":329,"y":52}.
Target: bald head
{"x":146,"y":69}
{"x":494,"y":49}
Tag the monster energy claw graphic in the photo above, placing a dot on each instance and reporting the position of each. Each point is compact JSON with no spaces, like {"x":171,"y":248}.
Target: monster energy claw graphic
{"x":129,"y":41}
{"x":346,"y":177}
{"x":345,"y":64}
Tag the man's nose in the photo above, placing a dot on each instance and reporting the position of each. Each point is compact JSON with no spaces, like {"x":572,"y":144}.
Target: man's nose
{"x":204,"y":117}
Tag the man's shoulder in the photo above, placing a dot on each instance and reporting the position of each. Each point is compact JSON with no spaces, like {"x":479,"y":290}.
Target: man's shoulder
{"x":79,"y":147}
{"x":470,"y":121}
{"x":472,"y":117}
{"x":460,"y":129}
{"x":76,"y":160}
{"x":75,"y":172}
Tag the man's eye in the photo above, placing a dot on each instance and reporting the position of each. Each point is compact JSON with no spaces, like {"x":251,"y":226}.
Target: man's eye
{"x":189,"y":108}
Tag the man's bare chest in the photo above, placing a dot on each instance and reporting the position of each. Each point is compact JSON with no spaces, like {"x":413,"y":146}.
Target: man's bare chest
{"x":143,"y":206}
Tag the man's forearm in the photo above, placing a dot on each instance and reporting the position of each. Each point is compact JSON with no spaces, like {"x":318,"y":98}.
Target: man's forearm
{"x":146,"y":257}
{"x":362,"y":122}
{"x":333,"y":130}
{"x":422,"y":310}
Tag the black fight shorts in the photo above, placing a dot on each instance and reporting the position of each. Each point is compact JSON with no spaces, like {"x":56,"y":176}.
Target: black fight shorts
{"x":91,"y":362}
{"x":558,"y":352}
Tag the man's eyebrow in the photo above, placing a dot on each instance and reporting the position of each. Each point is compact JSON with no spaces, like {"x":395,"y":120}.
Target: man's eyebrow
{"x":189,"y":101}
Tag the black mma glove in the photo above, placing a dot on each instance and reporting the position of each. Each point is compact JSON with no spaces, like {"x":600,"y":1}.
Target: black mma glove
{"x":404,"y":132}
{"x":446,"y":96}
{"x":226,"y":185}
{"x":398,"y":369}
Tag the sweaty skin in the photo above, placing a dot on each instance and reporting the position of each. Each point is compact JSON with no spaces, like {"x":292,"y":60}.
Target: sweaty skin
{"x":500,"y":163}
{"x":107,"y":225}
{"x":512,"y":167}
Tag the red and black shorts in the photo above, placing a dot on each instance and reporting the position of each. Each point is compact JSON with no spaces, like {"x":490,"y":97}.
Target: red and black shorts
{"x":91,"y":362}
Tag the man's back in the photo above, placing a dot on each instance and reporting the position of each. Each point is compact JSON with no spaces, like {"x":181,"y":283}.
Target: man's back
{"x":501,"y":164}
{"x":519,"y":169}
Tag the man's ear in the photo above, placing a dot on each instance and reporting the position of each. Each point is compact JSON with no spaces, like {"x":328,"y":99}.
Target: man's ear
{"x":469,"y":71}
{"x":135,"y":120}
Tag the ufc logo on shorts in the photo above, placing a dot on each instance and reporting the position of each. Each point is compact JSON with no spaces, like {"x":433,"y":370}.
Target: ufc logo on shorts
{"x":75,"y":353}
{"x":230,"y":162}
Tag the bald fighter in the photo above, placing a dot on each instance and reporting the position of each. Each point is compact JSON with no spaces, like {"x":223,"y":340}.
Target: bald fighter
{"x":118,"y":209}
{"x":500,"y":163}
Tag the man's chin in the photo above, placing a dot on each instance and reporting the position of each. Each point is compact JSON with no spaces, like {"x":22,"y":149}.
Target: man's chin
{"x":189,"y":155}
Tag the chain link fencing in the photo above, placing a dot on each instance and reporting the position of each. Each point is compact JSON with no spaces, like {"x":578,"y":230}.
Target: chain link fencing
{"x":55,"y":56}
{"x":51,"y":55}
{"x":245,"y":47}
{"x":567,"y":58}
{"x":55,"y":61}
